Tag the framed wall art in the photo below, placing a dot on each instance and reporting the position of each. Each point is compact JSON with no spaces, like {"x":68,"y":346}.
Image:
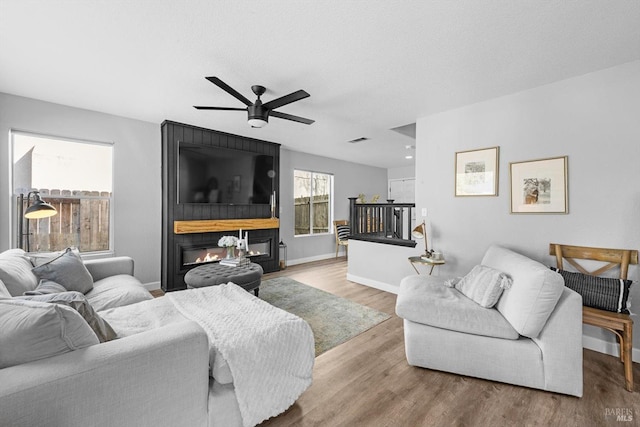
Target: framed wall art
{"x":539,"y":186}
{"x":477,"y":172}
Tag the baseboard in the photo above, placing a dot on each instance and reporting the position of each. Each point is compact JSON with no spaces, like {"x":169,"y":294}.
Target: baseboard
{"x":373,"y":283}
{"x":607,"y":347}
{"x":310,"y":259}
{"x":152,"y":286}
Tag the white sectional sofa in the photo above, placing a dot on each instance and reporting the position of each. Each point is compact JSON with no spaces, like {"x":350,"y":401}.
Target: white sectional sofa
{"x":158,"y":377}
{"x":532,"y":336}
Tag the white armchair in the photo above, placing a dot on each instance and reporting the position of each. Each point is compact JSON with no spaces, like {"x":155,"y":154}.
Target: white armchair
{"x":532,"y":337}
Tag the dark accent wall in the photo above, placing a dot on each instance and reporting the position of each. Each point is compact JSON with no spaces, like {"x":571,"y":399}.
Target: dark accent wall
{"x":172,"y":276}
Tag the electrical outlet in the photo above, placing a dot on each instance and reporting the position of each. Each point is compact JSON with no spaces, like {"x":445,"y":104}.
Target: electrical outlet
{"x":424,"y":211}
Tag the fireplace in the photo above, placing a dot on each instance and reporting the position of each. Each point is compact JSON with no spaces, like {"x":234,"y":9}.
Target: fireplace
{"x":191,"y":251}
{"x":191,"y":230}
{"x":192,"y":256}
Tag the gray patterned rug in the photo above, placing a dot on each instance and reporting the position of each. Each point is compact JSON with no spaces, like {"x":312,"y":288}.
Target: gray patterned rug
{"x":333,"y":320}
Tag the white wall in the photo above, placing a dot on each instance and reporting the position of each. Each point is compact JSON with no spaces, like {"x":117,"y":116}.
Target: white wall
{"x":137,"y":163}
{"x":593,"y":119}
{"x":349,"y":180}
{"x":401,"y":172}
{"x":383,"y":266}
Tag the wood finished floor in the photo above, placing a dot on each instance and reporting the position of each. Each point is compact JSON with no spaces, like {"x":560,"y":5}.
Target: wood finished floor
{"x":367,"y":381}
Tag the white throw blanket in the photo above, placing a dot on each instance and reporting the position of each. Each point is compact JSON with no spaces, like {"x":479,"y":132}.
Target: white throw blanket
{"x":270,"y":352}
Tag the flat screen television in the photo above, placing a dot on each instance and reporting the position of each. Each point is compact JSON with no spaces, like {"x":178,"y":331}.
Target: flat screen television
{"x":222,"y":175}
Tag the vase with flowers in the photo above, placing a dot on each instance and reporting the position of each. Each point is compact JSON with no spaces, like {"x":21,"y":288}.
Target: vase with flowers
{"x":229,"y":242}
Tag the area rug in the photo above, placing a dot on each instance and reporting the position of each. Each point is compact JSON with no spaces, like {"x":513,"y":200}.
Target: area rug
{"x":333,"y":319}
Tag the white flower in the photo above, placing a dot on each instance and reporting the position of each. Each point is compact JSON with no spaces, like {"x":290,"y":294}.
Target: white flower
{"x":227,"y":241}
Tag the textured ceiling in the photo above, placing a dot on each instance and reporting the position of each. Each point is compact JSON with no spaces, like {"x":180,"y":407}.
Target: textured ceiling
{"x":369,"y":66}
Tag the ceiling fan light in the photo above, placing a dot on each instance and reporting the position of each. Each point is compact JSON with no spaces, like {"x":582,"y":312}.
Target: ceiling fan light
{"x":257,"y":123}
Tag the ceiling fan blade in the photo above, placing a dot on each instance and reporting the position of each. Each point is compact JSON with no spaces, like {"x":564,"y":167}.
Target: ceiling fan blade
{"x":287,"y":99}
{"x":286,"y":116}
{"x":200,"y":107}
{"x":222,"y":85}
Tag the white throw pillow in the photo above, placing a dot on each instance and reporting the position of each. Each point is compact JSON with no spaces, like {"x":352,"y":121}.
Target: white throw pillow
{"x":483,"y":285}
{"x":533,"y":295}
{"x":31,"y":330}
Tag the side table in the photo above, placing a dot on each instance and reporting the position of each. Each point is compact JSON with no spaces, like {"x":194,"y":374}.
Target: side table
{"x":425,"y":261}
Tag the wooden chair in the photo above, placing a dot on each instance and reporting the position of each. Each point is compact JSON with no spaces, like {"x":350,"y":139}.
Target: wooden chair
{"x":620,"y":324}
{"x":341,"y":230}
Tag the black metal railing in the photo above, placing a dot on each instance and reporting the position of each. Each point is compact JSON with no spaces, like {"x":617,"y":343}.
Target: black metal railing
{"x":388,"y":223}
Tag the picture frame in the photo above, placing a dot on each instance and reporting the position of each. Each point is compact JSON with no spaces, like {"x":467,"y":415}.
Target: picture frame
{"x":539,"y":186}
{"x":476,"y":172}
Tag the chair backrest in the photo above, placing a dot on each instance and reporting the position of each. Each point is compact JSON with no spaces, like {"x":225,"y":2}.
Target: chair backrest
{"x":341,"y":229}
{"x":612,"y":257}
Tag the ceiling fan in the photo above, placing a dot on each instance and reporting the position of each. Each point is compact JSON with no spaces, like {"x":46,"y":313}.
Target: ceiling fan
{"x":258,"y":112}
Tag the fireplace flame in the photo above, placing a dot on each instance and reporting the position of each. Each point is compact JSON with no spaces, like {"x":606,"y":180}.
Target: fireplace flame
{"x":207,"y":258}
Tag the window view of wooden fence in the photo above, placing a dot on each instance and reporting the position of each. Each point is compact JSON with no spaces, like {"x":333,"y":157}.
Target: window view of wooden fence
{"x":302,"y":206}
{"x":82,"y":221}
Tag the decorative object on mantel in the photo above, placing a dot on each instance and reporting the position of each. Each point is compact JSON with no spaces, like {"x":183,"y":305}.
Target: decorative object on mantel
{"x":230,"y":243}
{"x":477,"y":172}
{"x":420,"y":232}
{"x":242,"y":245}
{"x":273,"y":205}
{"x":38,"y":209}
{"x":539,"y":186}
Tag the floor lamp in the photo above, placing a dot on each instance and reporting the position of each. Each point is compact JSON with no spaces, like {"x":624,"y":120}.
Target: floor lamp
{"x":38,"y":209}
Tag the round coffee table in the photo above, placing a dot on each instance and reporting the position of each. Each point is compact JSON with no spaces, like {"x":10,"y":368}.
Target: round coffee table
{"x":246,"y":276}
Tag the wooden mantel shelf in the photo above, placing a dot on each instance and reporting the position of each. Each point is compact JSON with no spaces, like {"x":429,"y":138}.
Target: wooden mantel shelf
{"x":211,"y":225}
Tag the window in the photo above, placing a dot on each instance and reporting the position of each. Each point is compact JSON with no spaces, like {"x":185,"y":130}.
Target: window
{"x":313,"y":202}
{"x":75,"y":177}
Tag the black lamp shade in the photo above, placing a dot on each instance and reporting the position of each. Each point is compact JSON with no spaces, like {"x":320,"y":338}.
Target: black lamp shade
{"x":39,"y":209}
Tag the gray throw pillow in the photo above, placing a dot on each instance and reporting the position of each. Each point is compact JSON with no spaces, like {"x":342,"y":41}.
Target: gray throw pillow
{"x":79,"y":303}
{"x":46,"y":287}
{"x":68,"y":270}
{"x":15,"y":272}
{"x":483,"y":284}
{"x":31,"y":330}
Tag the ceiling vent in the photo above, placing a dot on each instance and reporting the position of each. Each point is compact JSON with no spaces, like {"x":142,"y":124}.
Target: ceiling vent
{"x":355,"y":141}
